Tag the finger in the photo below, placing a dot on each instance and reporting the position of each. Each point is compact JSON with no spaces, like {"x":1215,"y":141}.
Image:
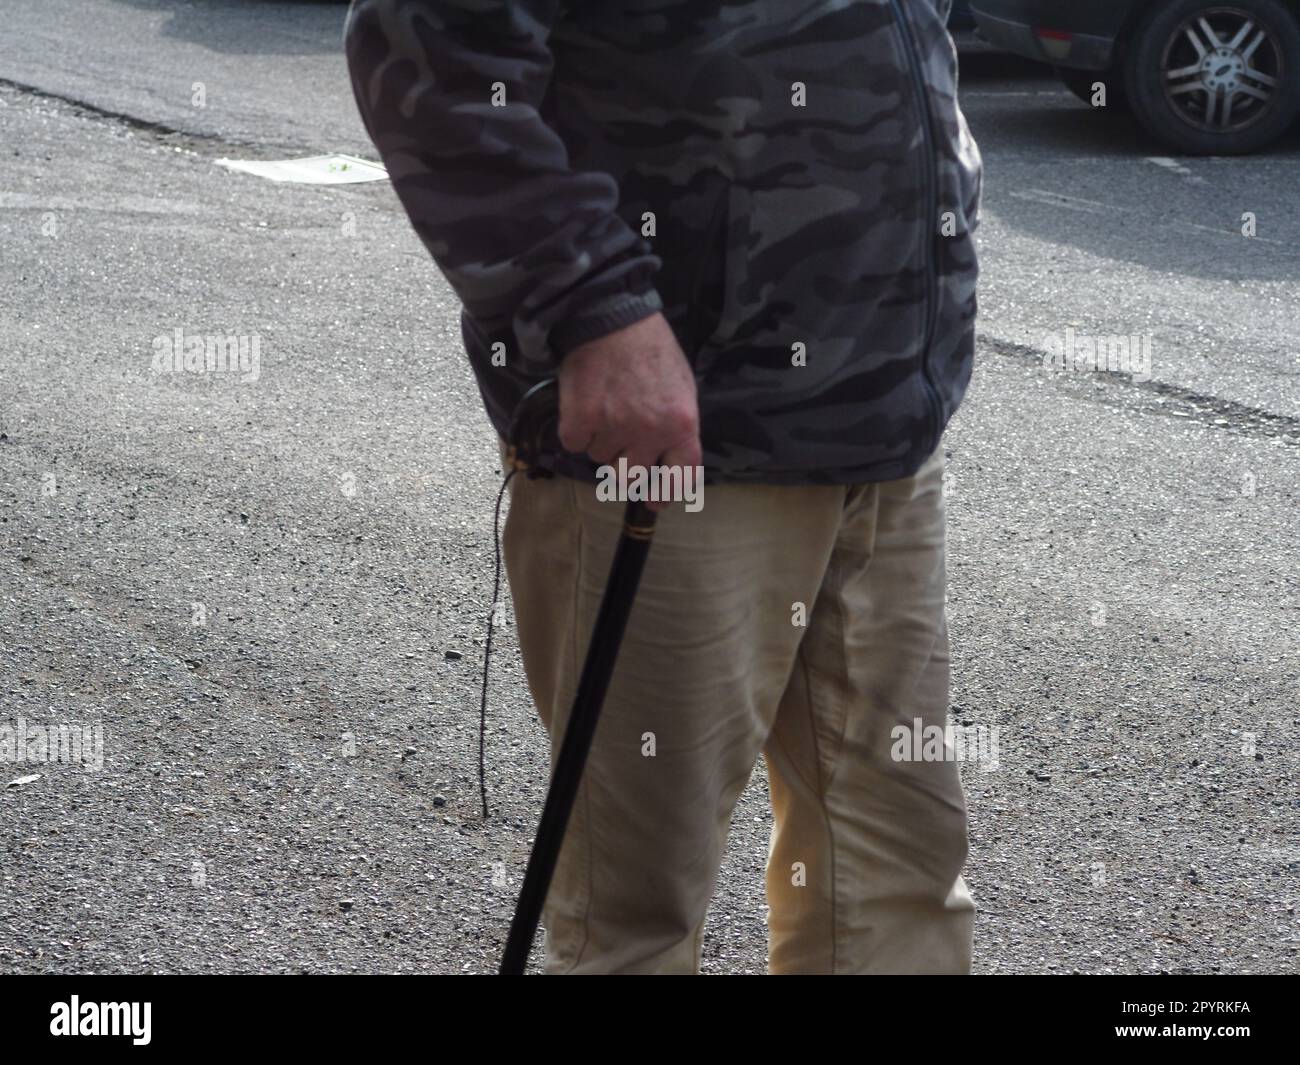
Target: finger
{"x":575,"y":433}
{"x":683,"y":468}
{"x":687,"y":452}
{"x":605,"y":448}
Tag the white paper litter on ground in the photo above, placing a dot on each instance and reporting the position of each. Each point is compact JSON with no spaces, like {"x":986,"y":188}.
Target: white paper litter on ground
{"x":313,"y":170}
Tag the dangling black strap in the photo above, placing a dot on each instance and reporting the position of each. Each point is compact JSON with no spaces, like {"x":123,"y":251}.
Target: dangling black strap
{"x":487,"y":650}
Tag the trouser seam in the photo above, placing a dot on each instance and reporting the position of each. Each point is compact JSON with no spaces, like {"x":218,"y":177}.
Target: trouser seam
{"x":820,"y":788}
{"x":584,"y":792}
{"x":836,"y":583}
{"x":823,"y":791}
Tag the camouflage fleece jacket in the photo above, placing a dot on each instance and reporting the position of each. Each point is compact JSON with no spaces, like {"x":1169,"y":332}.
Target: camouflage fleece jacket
{"x":791,"y":182}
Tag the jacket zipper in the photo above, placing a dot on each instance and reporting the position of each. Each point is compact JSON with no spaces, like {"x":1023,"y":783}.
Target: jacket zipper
{"x":905,"y":33}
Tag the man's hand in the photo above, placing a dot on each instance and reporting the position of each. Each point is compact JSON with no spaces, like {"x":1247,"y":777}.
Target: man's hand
{"x":631,"y":393}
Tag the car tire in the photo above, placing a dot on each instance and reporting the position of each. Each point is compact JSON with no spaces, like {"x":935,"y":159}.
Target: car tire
{"x":1081,"y":82}
{"x":1215,"y":77}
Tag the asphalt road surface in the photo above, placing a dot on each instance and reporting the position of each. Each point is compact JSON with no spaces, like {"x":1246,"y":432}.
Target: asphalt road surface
{"x":267,"y":591}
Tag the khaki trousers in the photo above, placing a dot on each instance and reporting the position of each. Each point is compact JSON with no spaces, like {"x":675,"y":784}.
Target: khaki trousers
{"x":718,"y":666}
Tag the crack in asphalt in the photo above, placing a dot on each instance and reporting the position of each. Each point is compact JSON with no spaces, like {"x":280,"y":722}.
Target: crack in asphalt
{"x":159,"y":131}
{"x":1116,"y":389}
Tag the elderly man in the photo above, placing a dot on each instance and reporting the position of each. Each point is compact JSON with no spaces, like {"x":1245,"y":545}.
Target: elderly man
{"x":740,"y":234}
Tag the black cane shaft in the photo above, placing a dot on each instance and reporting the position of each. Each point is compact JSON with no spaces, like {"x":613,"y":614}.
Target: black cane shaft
{"x":611,"y":621}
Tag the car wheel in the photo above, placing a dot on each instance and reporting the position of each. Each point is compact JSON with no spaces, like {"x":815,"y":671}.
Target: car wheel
{"x":1215,"y":78}
{"x":1082,"y":82}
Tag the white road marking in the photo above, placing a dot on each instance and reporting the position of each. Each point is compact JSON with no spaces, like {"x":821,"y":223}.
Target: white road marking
{"x":334,"y":169}
{"x":1168,"y":164}
{"x":1073,"y":203}
{"x":1175,"y":167}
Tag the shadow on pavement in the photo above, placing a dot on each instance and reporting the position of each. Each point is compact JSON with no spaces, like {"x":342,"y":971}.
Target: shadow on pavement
{"x":253,"y":27}
{"x":1098,"y":191}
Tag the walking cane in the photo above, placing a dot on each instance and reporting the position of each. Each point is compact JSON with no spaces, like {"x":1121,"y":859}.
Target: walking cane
{"x":537,"y":412}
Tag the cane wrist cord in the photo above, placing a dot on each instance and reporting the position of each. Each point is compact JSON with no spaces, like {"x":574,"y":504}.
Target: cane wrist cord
{"x":487,"y":649}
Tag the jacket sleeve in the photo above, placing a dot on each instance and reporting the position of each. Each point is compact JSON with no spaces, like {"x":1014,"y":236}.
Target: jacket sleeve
{"x":451,"y":93}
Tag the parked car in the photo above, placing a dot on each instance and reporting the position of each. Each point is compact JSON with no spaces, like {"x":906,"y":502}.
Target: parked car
{"x":1207,"y":77}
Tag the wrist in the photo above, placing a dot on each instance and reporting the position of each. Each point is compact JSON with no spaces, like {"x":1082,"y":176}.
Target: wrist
{"x":602,"y":318}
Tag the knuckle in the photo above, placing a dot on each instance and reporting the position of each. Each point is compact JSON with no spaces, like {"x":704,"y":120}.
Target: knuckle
{"x":680,"y":419}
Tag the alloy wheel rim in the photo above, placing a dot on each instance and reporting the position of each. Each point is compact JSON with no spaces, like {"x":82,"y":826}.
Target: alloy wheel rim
{"x":1222,"y":70}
